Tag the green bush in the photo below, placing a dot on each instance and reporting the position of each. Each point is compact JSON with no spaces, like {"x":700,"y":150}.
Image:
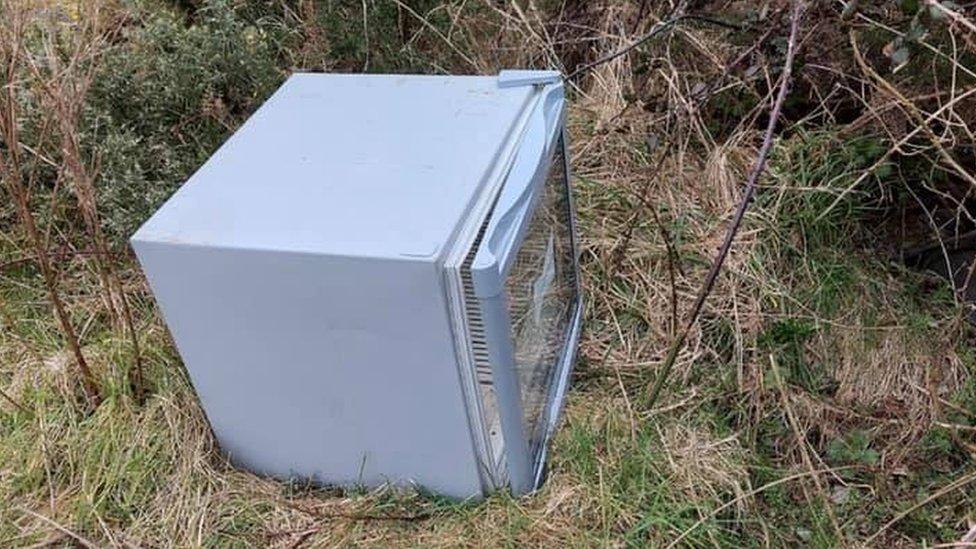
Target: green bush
{"x":169,"y":94}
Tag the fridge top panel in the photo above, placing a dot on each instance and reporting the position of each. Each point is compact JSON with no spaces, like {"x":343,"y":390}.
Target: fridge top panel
{"x":358,"y":165}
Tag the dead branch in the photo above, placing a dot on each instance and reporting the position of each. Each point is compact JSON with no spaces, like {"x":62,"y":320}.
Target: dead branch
{"x":656,"y":29}
{"x":676,"y":16}
{"x":709,"y":283}
{"x":12,"y":174}
{"x":65,"y":87}
{"x":913,"y":111}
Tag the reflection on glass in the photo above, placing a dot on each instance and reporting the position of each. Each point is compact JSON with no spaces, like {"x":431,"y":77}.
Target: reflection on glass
{"x":541,"y":290}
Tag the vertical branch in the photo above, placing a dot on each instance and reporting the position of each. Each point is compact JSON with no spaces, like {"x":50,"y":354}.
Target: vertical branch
{"x":750,"y":191}
{"x":65,"y":90}
{"x":673,"y":264}
{"x":620,"y":251}
{"x":13,"y":176}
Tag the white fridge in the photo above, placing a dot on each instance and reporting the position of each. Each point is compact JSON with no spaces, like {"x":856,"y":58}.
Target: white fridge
{"x":375,"y":281}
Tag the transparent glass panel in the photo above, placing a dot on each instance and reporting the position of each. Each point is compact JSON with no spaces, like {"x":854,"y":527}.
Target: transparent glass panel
{"x":541,"y":290}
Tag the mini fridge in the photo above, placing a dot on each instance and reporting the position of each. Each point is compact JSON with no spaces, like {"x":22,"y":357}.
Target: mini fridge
{"x":375,"y":281}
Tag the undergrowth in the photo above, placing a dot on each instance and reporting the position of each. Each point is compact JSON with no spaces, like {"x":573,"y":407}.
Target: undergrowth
{"x":826,"y":397}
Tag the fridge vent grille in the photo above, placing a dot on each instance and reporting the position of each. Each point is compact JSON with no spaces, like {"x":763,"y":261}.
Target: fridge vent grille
{"x":472,"y":310}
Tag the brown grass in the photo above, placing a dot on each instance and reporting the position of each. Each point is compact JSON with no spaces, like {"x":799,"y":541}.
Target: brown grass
{"x":732,"y":454}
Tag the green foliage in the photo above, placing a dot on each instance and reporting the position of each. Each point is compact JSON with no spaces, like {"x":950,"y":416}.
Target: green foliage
{"x":939,"y":448}
{"x":813,"y":223}
{"x":180,"y":78}
{"x":163,"y":101}
{"x":382,"y":45}
{"x":634,"y":481}
{"x":814,"y":169}
{"x":803,"y":523}
{"x":419,"y":36}
{"x":183,"y":79}
{"x":786,"y":339}
{"x":854,"y":448}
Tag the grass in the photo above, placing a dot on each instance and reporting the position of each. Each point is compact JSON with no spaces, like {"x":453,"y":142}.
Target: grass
{"x":817,"y":350}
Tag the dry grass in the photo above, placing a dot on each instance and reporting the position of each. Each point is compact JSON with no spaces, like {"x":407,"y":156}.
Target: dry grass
{"x":868,"y":418}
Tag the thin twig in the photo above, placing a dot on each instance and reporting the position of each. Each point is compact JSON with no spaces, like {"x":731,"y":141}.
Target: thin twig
{"x":970,"y":536}
{"x":57,"y":255}
{"x":65,"y":91}
{"x":620,"y":251}
{"x":674,"y":263}
{"x":804,"y":452}
{"x":303,"y":537}
{"x":767,"y":145}
{"x":884,"y":159}
{"x":750,"y":494}
{"x":84,"y":542}
{"x":11,"y":400}
{"x":912,"y":110}
{"x":12,"y":174}
{"x":954,"y":485}
{"x":438,"y":33}
{"x":656,"y":29}
{"x":955,"y":16}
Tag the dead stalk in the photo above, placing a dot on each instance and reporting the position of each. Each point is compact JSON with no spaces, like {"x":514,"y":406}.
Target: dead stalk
{"x":65,"y":89}
{"x":12,"y":173}
{"x":758,"y":167}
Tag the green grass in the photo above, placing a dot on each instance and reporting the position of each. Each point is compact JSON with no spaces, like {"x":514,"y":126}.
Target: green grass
{"x":807,"y":286}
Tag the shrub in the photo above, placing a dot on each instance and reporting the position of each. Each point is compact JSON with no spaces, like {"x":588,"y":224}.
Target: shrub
{"x":169,"y":95}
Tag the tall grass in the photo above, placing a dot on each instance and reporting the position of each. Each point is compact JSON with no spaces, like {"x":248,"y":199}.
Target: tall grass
{"x":825,"y":396}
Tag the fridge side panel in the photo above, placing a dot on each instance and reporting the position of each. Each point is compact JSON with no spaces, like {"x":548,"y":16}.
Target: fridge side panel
{"x":309,"y":366}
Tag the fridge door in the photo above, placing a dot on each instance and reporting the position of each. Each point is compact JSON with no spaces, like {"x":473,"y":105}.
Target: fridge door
{"x":526,"y":280}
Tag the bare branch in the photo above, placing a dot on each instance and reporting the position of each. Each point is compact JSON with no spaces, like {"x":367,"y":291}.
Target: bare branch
{"x":706,"y":289}
{"x":12,"y":175}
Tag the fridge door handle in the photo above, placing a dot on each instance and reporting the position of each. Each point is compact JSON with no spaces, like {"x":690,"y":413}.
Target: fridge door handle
{"x":514,"y":205}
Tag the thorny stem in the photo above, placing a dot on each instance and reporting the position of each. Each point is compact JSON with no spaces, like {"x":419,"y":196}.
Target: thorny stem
{"x":65,"y":101}
{"x":620,"y":251}
{"x":12,"y":175}
{"x":757,"y":169}
{"x":657,"y":29}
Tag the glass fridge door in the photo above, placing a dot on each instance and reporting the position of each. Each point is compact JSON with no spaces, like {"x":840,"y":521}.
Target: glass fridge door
{"x":524,"y":278}
{"x":541,"y":294}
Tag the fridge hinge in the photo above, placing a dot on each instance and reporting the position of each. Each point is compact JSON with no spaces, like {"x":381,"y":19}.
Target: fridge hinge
{"x":516,"y":78}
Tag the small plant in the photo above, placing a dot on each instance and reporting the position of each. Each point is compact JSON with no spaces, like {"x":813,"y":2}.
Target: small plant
{"x":787,"y":338}
{"x":854,"y":448}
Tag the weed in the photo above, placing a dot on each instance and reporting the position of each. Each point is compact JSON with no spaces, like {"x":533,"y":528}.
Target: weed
{"x":854,"y":448}
{"x":162,"y":105}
